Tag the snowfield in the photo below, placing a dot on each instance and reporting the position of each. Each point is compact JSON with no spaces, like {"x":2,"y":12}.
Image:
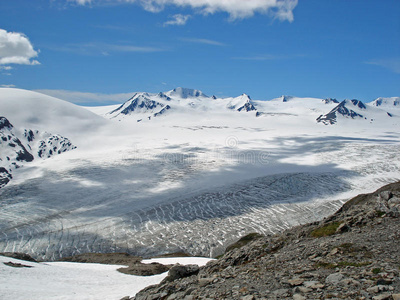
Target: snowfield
{"x":194,"y":178}
{"x":64,"y":280}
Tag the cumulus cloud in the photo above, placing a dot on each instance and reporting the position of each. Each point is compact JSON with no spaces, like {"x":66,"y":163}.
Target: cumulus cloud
{"x":15,"y":48}
{"x":84,"y":98}
{"x":178,"y":20}
{"x":237,"y":9}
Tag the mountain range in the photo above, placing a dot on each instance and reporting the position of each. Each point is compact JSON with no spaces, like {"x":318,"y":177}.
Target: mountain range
{"x":145,"y":106}
{"x":181,"y":171}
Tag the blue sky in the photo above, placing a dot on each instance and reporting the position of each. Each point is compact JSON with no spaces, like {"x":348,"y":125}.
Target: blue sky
{"x":102,"y":50}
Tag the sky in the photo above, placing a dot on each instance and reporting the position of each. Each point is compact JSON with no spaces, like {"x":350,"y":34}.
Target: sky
{"x":97,"y":52}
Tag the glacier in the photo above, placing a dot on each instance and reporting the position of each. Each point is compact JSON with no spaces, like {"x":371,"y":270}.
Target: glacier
{"x":194,"y":179}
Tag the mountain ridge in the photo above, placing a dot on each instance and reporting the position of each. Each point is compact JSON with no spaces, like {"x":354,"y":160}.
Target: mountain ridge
{"x":145,"y":106}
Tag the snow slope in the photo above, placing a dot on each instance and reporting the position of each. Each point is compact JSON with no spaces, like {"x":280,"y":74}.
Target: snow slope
{"x":196,"y":178}
{"x":63,"y":280}
{"x":27,"y":109}
{"x":34,"y":126}
{"x":387,"y":103}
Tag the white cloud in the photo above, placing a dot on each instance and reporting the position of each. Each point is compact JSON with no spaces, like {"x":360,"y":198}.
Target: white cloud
{"x":87,"y":98}
{"x":15,"y":48}
{"x":130,"y":48}
{"x":392,"y":64}
{"x":178,"y":20}
{"x":7,"y":86}
{"x":104,"y":49}
{"x":7,"y":68}
{"x":260,"y":57}
{"x":237,"y":9}
{"x":266,"y":57}
{"x":203,"y":41}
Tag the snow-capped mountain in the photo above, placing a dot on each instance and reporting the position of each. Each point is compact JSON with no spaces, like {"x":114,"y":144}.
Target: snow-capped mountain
{"x":201,"y":165}
{"x":18,"y":147}
{"x":185,"y":93}
{"x":36,"y":127}
{"x":346,"y":108}
{"x":141,"y":103}
{"x":242,"y":103}
{"x":356,"y":110}
{"x":184,"y":102}
{"x":32,"y":110}
{"x":387,"y":103}
{"x":145,"y":106}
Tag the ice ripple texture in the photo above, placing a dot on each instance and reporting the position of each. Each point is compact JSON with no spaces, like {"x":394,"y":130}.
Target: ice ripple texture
{"x":43,"y":218}
{"x":201,"y":224}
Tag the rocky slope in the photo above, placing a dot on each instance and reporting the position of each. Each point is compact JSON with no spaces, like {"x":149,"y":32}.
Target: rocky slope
{"x":354,"y":254}
{"x":23,"y":146}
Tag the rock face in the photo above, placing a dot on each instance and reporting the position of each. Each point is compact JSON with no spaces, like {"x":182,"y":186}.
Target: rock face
{"x":5,"y":177}
{"x":140,"y":269}
{"x":345,"y":109}
{"x":330,"y":100}
{"x":23,"y":146}
{"x":352,"y":254}
{"x":242,"y":103}
{"x":139,"y":103}
{"x":387,"y":102}
{"x":248,"y":106}
{"x":178,"y":271}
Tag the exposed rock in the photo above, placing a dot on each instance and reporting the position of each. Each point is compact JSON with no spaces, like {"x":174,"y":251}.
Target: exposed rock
{"x":16,"y":148}
{"x":334,"y":278}
{"x":382,"y":297}
{"x":16,"y":265}
{"x":20,"y":256}
{"x":299,"y":297}
{"x":5,"y":177}
{"x":180,"y":271}
{"x":295,"y":281}
{"x":140,"y":269}
{"x":358,"y":263}
{"x":104,"y":258}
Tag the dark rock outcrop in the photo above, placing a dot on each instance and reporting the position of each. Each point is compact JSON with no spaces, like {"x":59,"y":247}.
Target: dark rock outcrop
{"x":140,"y":269}
{"x":344,"y":109}
{"x":17,"y":255}
{"x":5,"y":177}
{"x":17,"y":148}
{"x":179,"y":271}
{"x":352,"y":254}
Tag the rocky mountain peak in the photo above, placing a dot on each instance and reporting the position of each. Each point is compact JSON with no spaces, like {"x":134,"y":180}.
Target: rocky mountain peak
{"x":5,"y":124}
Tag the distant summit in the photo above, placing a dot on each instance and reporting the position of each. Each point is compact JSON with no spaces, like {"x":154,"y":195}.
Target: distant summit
{"x":330,"y":100}
{"x":346,"y":108}
{"x":286,"y":98}
{"x":185,"y":93}
{"x":139,"y":103}
{"x":392,"y":102}
{"x":243,"y":103}
{"x":183,"y":102}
